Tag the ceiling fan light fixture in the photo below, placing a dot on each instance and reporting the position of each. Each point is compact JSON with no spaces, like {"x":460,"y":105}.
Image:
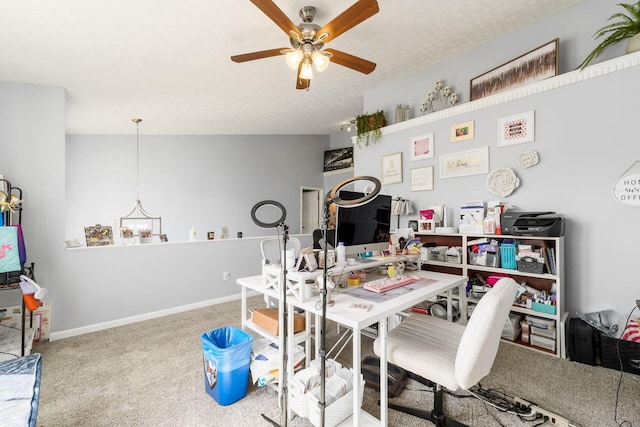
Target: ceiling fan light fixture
{"x":293,"y":58}
{"x":320,"y":60}
{"x":306,"y":71}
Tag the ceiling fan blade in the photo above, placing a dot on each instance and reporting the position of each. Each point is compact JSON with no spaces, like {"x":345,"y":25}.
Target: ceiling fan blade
{"x":301,"y":83}
{"x":269,"y":8}
{"x":351,"y":61}
{"x":358,"y":12}
{"x":257,"y":55}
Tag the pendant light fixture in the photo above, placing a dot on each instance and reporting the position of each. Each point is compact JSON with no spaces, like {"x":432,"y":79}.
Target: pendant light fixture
{"x":138,"y":222}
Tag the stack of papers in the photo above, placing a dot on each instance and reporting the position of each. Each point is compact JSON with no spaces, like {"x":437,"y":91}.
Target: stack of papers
{"x":265,"y":361}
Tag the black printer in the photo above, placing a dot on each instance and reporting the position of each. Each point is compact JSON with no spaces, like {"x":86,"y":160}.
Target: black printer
{"x":545,"y":224}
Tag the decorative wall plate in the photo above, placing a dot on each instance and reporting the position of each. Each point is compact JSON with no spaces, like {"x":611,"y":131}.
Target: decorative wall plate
{"x":528,"y":158}
{"x":502,"y":182}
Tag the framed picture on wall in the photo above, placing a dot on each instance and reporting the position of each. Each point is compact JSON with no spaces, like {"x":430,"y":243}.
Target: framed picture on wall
{"x":463,"y":163}
{"x":392,"y":168}
{"x":516,"y":129}
{"x":338,"y":159}
{"x":422,"y":179}
{"x":422,"y":146}
{"x":535,"y":65}
{"x":462,"y":131}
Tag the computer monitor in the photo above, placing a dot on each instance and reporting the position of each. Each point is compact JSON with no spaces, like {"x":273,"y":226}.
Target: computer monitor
{"x":364,"y":228}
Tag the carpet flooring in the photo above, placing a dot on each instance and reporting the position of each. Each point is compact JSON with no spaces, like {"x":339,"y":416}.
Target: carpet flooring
{"x":150,"y":374}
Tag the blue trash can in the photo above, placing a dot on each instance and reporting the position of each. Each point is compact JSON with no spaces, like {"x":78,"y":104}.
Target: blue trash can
{"x":226,"y":359}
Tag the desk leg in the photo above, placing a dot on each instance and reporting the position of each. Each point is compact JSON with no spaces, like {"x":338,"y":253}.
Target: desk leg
{"x":462,"y":300}
{"x":307,"y":341}
{"x":243,"y":308}
{"x":384,"y":397}
{"x":357,"y":391}
{"x":291,"y":349}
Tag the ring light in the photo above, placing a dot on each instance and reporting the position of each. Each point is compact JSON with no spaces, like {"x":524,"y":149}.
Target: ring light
{"x":274,"y":224}
{"x":333,"y":197}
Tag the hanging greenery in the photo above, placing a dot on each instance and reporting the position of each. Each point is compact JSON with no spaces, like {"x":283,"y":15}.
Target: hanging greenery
{"x":368,"y":128}
{"x":627,"y":26}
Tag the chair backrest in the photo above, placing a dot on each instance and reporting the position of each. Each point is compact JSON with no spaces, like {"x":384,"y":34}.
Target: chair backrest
{"x":480,"y":341}
{"x":272,"y":248}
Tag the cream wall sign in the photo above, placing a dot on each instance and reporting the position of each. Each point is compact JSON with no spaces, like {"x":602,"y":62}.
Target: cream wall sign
{"x":626,"y":190}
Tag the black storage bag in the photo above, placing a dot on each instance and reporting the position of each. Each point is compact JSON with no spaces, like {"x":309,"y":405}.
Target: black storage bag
{"x":583,"y":342}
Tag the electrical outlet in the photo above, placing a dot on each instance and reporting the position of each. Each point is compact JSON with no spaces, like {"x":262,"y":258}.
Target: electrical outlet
{"x":549,"y":416}
{"x":226,"y":275}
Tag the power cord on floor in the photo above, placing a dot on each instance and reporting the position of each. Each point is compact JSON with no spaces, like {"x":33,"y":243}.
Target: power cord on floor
{"x":496,"y":398}
{"x":623,"y":423}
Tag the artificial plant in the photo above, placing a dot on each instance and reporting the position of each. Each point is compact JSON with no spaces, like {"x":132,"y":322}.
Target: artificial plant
{"x":368,"y":127}
{"x":627,"y":26}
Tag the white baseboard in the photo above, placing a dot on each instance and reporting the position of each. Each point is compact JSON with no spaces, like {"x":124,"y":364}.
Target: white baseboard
{"x":141,"y":317}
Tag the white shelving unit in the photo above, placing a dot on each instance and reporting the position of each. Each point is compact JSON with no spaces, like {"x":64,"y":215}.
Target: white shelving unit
{"x":541,"y":281}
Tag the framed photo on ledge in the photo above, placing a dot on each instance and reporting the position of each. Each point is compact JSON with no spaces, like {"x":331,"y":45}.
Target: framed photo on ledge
{"x":338,"y":159}
{"x":535,"y":65}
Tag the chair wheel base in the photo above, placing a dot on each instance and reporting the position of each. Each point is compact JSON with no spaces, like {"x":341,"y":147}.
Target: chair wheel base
{"x":439,"y":420}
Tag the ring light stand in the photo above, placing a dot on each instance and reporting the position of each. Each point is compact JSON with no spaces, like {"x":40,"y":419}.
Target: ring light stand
{"x":283,"y":295}
{"x":334,"y":198}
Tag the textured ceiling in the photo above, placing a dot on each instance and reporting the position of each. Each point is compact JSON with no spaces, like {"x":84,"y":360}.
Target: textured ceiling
{"x":167,"y":61}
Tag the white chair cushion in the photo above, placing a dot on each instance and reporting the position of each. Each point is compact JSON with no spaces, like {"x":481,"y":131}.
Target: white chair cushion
{"x":451,"y":354}
{"x":426,"y":346}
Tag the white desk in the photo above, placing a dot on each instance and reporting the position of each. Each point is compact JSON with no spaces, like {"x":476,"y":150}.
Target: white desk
{"x":358,"y":320}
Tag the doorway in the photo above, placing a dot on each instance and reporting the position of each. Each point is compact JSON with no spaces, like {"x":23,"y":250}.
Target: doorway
{"x":310,"y":209}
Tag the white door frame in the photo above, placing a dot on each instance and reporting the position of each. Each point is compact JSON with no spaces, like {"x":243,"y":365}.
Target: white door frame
{"x":320,"y":192}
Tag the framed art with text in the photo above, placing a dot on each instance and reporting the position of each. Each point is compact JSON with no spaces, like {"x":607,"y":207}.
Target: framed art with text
{"x":422,"y":179}
{"x":463,"y":163}
{"x":516,"y":129}
{"x":392,"y":168}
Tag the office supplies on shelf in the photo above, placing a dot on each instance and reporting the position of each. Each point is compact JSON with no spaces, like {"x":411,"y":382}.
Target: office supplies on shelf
{"x":387,"y":283}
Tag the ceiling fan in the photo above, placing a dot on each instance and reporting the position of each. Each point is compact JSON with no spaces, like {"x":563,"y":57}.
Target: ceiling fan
{"x":308,"y":40}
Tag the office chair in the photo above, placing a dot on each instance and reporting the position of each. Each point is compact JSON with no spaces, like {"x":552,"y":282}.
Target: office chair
{"x":439,"y":353}
{"x":272,"y":251}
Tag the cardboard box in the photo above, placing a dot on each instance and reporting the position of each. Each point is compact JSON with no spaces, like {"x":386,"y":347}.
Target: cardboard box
{"x":267,"y":318}
{"x":12,"y":316}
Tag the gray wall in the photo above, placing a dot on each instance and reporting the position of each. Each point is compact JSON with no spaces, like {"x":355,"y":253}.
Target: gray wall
{"x":32,"y":157}
{"x":201,"y":181}
{"x":206,"y":182}
{"x":582,"y":137}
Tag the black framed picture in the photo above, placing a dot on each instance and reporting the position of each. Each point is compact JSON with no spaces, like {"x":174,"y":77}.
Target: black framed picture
{"x":413,"y":225}
{"x":340,"y":158}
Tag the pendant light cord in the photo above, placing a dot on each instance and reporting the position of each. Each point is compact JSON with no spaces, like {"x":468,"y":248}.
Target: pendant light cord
{"x":137,"y":122}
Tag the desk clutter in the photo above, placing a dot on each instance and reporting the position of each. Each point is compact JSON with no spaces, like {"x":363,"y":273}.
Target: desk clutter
{"x":543,"y":301}
{"x":511,"y":254}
